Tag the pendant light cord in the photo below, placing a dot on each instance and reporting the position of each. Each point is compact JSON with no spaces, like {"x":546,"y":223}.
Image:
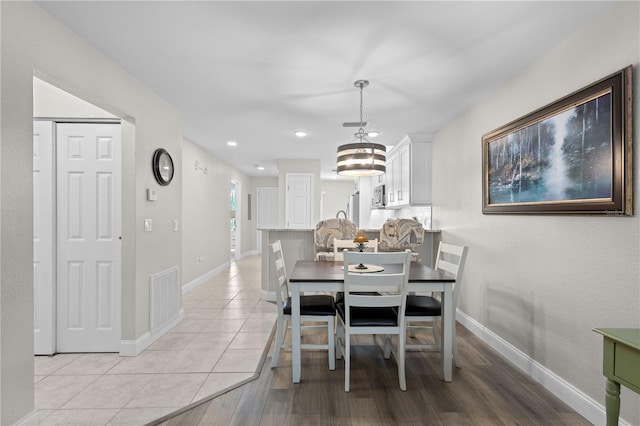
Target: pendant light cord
{"x":361,"y":104}
{"x":361,"y":135}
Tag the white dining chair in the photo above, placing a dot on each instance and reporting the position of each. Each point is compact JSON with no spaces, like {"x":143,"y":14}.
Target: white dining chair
{"x":313,"y":308}
{"x":340,"y":245}
{"x":423,"y":309}
{"x":364,"y":312}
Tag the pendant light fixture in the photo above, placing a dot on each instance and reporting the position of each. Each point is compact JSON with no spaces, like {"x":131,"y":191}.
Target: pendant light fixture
{"x":361,"y":158}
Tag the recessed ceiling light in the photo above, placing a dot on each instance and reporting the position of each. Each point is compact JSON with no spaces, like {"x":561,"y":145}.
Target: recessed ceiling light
{"x":373,"y":133}
{"x":232,"y":143}
{"x":300,"y":133}
{"x":259,"y":167}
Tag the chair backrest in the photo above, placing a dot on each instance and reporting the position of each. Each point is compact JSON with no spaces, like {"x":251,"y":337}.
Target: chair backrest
{"x":282,"y":292}
{"x":330,"y":229}
{"x":391,"y":282}
{"x":451,"y":259}
{"x":340,"y":245}
{"x":401,"y":234}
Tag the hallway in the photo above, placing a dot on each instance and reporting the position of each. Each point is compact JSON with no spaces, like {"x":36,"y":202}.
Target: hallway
{"x":220,"y":342}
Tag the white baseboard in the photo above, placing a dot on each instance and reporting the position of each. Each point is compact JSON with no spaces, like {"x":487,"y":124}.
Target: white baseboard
{"x":208,"y":275}
{"x":269,"y":296}
{"x":249,"y":253}
{"x":204,"y":278}
{"x":135,"y":347}
{"x":33,"y":418}
{"x":586,"y":406}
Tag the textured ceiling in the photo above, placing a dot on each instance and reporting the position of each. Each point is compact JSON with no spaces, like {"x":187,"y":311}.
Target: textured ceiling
{"x":254,"y":72}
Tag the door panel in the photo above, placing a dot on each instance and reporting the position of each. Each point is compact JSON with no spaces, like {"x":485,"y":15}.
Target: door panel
{"x":43,"y":245}
{"x":88,"y":200}
{"x":298,"y":203}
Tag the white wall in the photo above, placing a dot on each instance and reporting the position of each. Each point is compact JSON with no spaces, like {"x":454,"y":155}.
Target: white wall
{"x":543,"y":283}
{"x":50,"y":101}
{"x":336,"y":196}
{"x":34,"y":43}
{"x":205,"y":212}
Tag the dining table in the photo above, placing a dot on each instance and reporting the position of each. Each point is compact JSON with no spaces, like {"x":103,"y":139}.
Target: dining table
{"x":327,"y":276}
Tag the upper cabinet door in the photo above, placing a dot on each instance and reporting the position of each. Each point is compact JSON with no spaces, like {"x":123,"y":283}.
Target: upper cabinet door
{"x":409,"y":174}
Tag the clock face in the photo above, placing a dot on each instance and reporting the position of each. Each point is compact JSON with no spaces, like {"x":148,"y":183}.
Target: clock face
{"x":162,"y":166}
{"x":166,"y":167}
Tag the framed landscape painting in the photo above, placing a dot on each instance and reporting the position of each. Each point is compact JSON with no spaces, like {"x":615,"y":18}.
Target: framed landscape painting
{"x":571,"y":157}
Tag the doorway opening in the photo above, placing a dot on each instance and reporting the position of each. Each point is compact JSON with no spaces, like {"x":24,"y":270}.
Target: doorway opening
{"x":234,"y":220}
{"x":77,"y":224}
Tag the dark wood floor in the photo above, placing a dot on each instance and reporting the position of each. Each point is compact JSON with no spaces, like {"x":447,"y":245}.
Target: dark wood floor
{"x":486,"y":390}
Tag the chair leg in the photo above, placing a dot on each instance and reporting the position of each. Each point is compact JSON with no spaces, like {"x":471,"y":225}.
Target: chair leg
{"x":387,"y":346}
{"x":340,"y":339}
{"x":331,"y":339}
{"x":412,"y":331}
{"x":347,"y":362}
{"x":275,"y":359}
{"x":400,"y":359}
{"x":456,"y":357}
{"x":436,"y":326}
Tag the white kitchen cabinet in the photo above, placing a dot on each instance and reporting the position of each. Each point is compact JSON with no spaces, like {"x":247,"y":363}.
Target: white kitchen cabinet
{"x":389,"y":193}
{"x":409,"y":174}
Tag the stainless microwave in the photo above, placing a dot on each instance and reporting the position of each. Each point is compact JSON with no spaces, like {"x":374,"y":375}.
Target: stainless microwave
{"x":378,"y":196}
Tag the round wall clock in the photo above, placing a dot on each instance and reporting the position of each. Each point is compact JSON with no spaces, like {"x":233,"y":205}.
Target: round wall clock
{"x":162,"y":166}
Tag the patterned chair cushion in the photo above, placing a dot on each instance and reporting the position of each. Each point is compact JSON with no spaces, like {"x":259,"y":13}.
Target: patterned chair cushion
{"x":329,"y":229}
{"x":401,"y":234}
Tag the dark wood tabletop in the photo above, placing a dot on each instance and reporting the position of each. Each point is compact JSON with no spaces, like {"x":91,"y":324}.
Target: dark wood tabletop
{"x":314,"y":271}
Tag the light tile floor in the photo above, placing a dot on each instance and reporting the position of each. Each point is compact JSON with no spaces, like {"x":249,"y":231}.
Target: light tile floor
{"x":219,"y":343}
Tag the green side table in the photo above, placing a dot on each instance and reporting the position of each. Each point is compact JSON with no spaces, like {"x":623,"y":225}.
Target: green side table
{"x":621,"y":366}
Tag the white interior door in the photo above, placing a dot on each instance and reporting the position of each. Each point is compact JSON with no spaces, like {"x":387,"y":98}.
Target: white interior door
{"x":88,"y":237}
{"x":266,"y":210}
{"x":298,"y":202}
{"x":43,"y":234}
{"x":238,"y":230}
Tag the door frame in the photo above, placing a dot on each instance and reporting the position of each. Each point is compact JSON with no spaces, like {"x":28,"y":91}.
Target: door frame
{"x":238,"y":231}
{"x":54,"y":244}
{"x":44,"y":293}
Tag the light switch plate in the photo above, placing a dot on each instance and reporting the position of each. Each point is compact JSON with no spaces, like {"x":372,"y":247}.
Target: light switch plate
{"x":175,"y":225}
{"x":148,"y":225}
{"x":152,"y":194}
